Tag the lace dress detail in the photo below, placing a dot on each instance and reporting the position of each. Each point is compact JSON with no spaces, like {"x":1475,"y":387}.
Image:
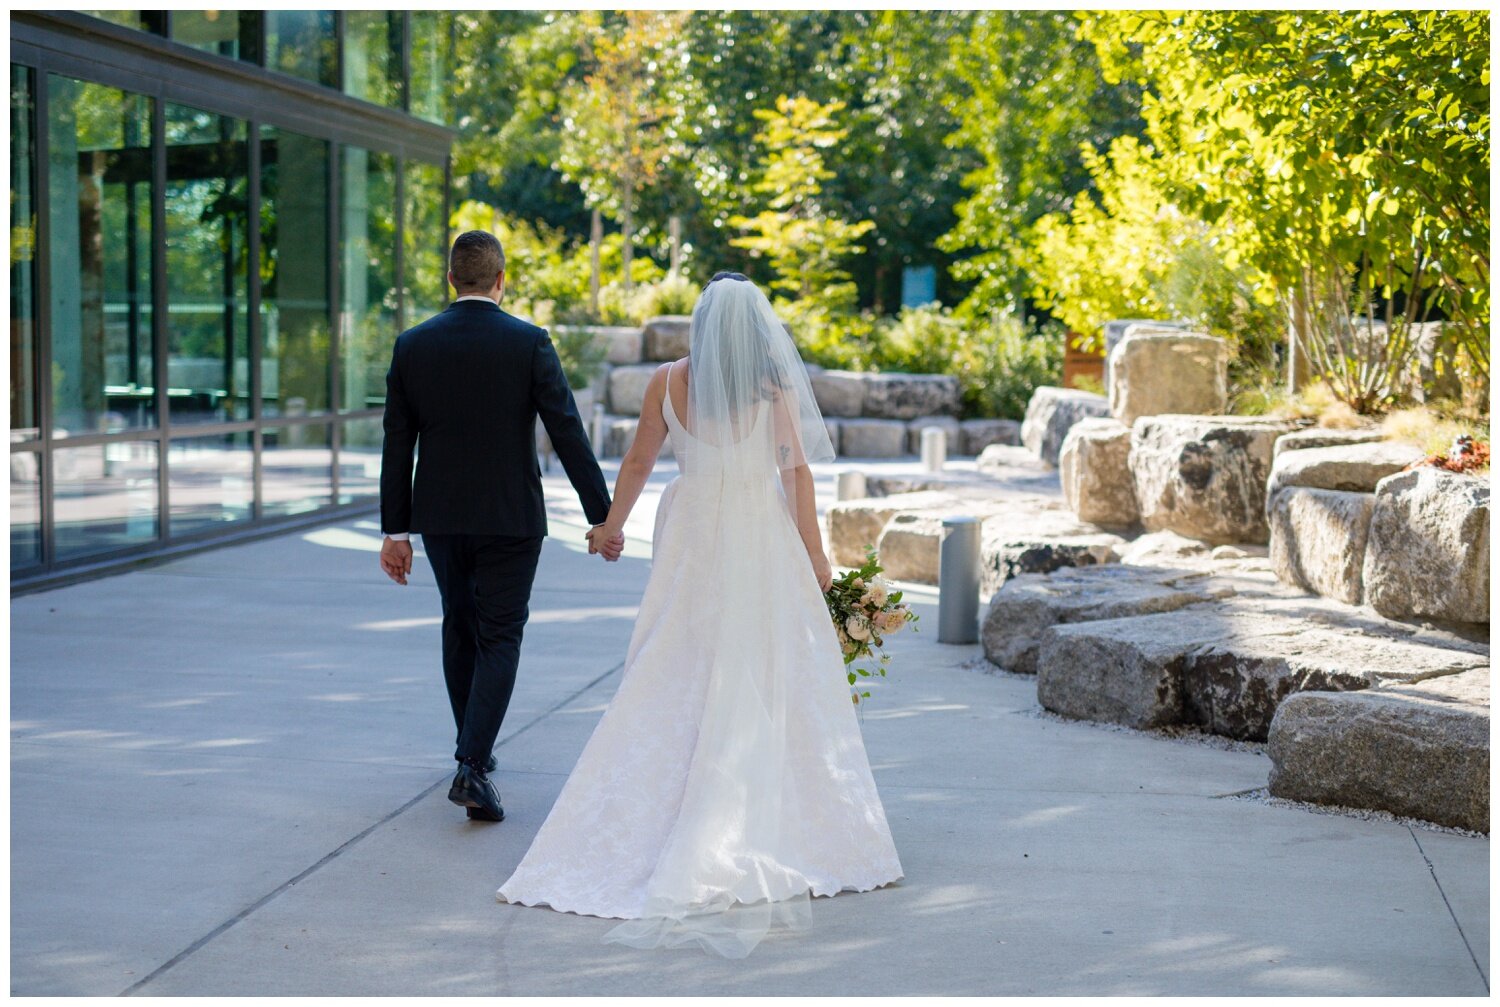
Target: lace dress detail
{"x":639,"y":790}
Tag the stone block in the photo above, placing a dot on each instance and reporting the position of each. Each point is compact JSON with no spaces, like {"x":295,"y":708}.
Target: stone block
{"x":1353,"y":468}
{"x":1429,"y":548}
{"x":1318,"y":540}
{"x":1051,"y":413}
{"x":1204,"y":477}
{"x":839,"y":393}
{"x":1095,"y":469}
{"x":627,"y":388}
{"x":666,"y":337}
{"x":1025,"y":607}
{"x":855,"y":524}
{"x":1418,"y":750}
{"x":864,"y":438}
{"x":1154,"y":372}
{"x":1324,"y":437}
{"x":908,"y":396}
{"x":977,"y":435}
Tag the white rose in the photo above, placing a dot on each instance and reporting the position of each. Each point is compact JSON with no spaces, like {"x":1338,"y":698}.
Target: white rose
{"x":857,"y":628}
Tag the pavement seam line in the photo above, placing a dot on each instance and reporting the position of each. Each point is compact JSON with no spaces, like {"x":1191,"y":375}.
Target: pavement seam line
{"x":245,"y":913}
{"x":1431,"y":869}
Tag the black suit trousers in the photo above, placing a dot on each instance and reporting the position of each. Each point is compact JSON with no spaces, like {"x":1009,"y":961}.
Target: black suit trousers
{"x":485,"y":582}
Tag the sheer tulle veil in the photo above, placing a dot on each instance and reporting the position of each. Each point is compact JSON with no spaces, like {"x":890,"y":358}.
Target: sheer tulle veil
{"x":731,"y":866}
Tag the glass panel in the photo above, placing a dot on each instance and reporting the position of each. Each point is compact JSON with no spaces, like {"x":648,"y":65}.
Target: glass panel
{"x":296,"y":469}
{"x":208,"y":321}
{"x":210,"y":481}
{"x":99,"y":171}
{"x":294,"y":273}
{"x":426,"y":241}
{"x":372,"y":56}
{"x":368,"y":192}
{"x":25,"y":509}
{"x":128,"y":18}
{"x":359,"y":459}
{"x":303,"y":43}
{"x":105,"y":497}
{"x":22,"y":258}
{"x":431,"y":49}
{"x":231,"y":33}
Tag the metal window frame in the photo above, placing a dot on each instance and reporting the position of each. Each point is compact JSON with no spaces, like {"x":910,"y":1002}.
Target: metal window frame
{"x":155,"y":67}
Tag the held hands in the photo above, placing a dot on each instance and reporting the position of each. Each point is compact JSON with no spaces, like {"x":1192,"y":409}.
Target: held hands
{"x":606,"y":541}
{"x":395,"y":559}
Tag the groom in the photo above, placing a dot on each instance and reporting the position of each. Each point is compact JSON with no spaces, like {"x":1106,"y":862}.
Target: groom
{"x":467,"y":387}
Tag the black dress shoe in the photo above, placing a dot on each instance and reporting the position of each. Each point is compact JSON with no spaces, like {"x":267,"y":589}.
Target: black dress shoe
{"x":491,"y":764}
{"x":472,"y":789}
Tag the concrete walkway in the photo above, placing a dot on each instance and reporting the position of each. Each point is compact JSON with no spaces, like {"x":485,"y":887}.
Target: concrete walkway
{"x":229,"y":776}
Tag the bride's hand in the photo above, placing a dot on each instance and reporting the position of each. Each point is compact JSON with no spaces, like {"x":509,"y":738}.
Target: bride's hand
{"x":823,"y":571}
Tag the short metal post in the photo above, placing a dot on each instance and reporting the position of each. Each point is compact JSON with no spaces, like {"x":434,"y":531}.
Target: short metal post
{"x":597,"y":432}
{"x":851,"y":486}
{"x":958,"y":581}
{"x":934,"y":449}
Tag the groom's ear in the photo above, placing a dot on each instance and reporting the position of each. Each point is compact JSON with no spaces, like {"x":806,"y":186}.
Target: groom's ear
{"x":451,"y":281}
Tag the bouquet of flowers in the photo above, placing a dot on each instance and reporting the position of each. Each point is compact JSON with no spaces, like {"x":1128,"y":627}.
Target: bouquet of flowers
{"x":865,"y":611}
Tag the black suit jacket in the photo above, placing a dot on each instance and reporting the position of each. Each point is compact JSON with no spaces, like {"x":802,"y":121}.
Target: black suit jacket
{"x":468,"y":385}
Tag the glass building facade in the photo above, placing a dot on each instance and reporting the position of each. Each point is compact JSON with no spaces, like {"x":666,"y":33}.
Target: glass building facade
{"x":220,"y":220}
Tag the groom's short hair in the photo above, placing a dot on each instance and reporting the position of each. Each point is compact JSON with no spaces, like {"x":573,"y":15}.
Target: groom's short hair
{"x":475,"y":261}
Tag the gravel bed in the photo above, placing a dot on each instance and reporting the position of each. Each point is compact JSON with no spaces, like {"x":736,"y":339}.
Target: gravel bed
{"x":1263,"y":796}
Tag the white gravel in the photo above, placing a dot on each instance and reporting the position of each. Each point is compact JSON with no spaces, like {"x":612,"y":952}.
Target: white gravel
{"x":1263,"y":796}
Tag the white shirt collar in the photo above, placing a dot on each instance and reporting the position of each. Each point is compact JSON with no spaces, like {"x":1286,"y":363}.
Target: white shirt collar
{"x":474,"y":297}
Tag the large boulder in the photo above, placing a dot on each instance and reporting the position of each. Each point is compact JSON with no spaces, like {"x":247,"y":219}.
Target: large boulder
{"x":872,"y":438}
{"x":1325,"y":437}
{"x":1154,"y":372}
{"x":976,"y":435}
{"x":1051,"y":413}
{"x":838,"y":393}
{"x":854,"y":525}
{"x":624,"y":344}
{"x":907,"y":396}
{"x":1204,"y":477}
{"x":1429,"y":547}
{"x":1353,"y":468}
{"x":947,"y":424}
{"x":1118,"y":328}
{"x":1318,"y":540}
{"x":1421,"y":750}
{"x":667,"y":337}
{"x":1223,"y":668}
{"x":627,"y":388}
{"x":1025,"y":607}
{"x":1095,"y":469}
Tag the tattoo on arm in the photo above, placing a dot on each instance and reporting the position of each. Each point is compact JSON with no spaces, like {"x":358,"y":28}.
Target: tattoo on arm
{"x":786,"y":452}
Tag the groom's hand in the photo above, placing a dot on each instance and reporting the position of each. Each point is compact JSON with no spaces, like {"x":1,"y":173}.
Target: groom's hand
{"x":395,"y":559}
{"x":608,"y":546}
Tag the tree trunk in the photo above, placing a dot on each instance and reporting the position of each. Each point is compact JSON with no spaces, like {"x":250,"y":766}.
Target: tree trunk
{"x":629,"y":225}
{"x":596,"y":239}
{"x":674,"y":228}
{"x":1298,"y":364}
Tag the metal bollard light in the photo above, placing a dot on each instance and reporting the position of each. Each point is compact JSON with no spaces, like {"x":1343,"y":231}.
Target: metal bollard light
{"x":597,"y":432}
{"x":958,"y":581}
{"x":851,"y":486}
{"x":934,"y":449}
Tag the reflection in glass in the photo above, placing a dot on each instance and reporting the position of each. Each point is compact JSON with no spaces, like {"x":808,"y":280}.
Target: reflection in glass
{"x":105,"y":497}
{"x":431,"y":60}
{"x":208,"y":338}
{"x":127,"y":18}
{"x":372,"y":56}
{"x":302,"y":43}
{"x":231,"y":33}
{"x":25,"y":509}
{"x":359,"y":459}
{"x":368,"y":329}
{"x":210,"y":481}
{"x":22,"y":258}
{"x":99,"y":173}
{"x":294,"y":273}
{"x":296,"y":469}
{"x":426,"y":240}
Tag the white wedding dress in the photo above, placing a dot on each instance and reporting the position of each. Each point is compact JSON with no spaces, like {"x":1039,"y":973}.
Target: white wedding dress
{"x":727,"y":781}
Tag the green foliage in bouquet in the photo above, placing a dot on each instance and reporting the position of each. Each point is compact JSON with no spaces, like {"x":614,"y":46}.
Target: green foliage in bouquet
{"x":864,"y":612}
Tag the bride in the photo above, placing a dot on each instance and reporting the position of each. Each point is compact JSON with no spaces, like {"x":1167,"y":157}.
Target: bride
{"x":727,"y":782}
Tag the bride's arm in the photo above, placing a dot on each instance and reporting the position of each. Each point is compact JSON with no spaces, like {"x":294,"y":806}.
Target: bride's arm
{"x":640,"y":460}
{"x":797,"y":480}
